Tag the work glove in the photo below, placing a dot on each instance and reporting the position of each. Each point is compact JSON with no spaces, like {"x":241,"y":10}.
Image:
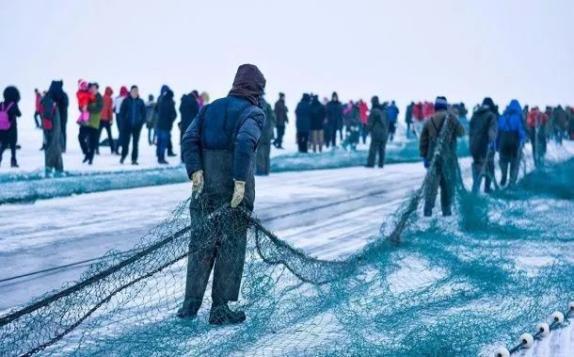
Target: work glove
{"x":238,"y":193}
{"x":197,"y":179}
{"x":426,"y":162}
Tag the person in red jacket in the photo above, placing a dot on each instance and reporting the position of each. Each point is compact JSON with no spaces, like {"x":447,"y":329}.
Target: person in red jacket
{"x":428,"y":110}
{"x":536,"y":122}
{"x":418,"y":118}
{"x":106,"y":120}
{"x":85,"y":97}
{"x":364,"y":115}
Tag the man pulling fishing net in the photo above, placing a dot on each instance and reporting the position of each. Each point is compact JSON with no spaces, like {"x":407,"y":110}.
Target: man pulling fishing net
{"x":218,"y":150}
{"x":444,"y":160}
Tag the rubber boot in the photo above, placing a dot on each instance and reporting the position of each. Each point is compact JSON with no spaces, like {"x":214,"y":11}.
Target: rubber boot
{"x":184,"y":313}
{"x":14,"y":163}
{"x":223,"y":315}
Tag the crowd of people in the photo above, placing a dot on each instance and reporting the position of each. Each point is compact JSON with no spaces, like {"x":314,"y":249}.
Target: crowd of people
{"x":222,"y":141}
{"x":319,"y":124}
{"x":323,"y":124}
{"x":96,"y":113}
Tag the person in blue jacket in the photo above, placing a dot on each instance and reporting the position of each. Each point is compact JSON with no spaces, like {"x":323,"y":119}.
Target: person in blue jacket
{"x":392,"y":117}
{"x":219,"y":153}
{"x":510,"y":140}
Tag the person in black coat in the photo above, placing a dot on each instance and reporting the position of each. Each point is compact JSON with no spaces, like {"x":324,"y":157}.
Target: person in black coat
{"x":63,"y":103}
{"x":317,"y":123}
{"x":188,"y":109}
{"x":281,"y":120}
{"x":334,"y":112}
{"x":9,"y":137}
{"x":219,"y":153}
{"x":303,"y":122}
{"x":482,"y":138}
{"x":165,"y":119}
{"x":132,"y":116}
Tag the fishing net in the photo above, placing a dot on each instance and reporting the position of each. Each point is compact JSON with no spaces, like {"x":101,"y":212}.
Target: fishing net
{"x":457,"y":285}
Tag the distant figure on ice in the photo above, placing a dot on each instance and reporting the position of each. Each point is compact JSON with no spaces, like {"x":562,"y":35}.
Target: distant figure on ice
{"x":124,"y":93}
{"x":352,"y":121}
{"x":303,"y":123}
{"x":392,"y":116}
{"x":219,"y":154}
{"x":166,"y":115}
{"x":419,"y":119}
{"x":510,"y":140}
{"x":537,"y":128}
{"x":363,"y":117}
{"x":151,"y":119}
{"x":445,"y":163}
{"x":188,"y":109}
{"x":317,"y":123}
{"x":482,"y":137}
{"x":334,"y":113}
{"x":377,"y":125}
{"x":89,"y":130}
{"x":9,"y":112}
{"x":38,"y":108}
{"x":107,"y":117}
{"x":409,"y":119}
{"x":263,"y":161}
{"x":559,"y":124}
{"x":51,"y":106}
{"x":132,"y":117}
{"x":281,"y":120}
{"x":163,"y":91}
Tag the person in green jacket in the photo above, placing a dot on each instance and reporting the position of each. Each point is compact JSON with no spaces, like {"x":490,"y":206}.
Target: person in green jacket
{"x":378,"y":127}
{"x":88,"y":136}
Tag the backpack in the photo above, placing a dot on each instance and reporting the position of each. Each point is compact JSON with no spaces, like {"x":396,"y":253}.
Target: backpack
{"x":5,"y":123}
{"x":509,"y":141}
{"x":48,"y":118}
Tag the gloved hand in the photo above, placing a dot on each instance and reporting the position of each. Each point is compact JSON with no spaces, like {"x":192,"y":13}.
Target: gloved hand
{"x":238,"y":193}
{"x":197,"y":179}
{"x":426,"y":162}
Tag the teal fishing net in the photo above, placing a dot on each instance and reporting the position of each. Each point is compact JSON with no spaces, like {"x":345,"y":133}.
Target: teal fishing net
{"x":424,"y":286}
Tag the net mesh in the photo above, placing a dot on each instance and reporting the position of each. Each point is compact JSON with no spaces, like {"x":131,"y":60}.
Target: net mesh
{"x":453,"y":286}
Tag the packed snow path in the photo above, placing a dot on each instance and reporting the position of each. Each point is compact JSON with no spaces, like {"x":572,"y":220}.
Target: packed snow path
{"x":60,"y":231}
{"x":309,"y":230}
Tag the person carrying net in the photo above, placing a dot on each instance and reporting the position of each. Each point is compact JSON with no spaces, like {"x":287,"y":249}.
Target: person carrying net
{"x":219,"y":153}
{"x":445,"y":163}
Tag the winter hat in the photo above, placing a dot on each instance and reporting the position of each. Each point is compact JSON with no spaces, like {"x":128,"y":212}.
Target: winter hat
{"x":124,"y":91}
{"x":249,"y":83}
{"x":375,"y":101}
{"x":11,"y":94}
{"x":82,"y":84}
{"x":487,"y":102}
{"x":440,"y":104}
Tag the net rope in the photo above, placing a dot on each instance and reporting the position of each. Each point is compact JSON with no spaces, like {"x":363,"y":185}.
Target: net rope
{"x":460,"y":285}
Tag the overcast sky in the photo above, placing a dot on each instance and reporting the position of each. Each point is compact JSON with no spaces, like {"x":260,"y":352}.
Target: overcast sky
{"x":402,"y":50}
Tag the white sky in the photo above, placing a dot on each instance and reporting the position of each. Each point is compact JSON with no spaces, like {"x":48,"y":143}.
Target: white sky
{"x":397,"y":49}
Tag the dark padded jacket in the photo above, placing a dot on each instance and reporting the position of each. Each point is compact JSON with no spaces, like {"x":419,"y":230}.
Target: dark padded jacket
{"x":133,"y":112}
{"x":166,"y":112}
{"x":482,"y":131}
{"x":188,"y":109}
{"x":231,"y":125}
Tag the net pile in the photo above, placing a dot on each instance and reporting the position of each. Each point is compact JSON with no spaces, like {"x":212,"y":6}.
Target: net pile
{"x":455,"y":286}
